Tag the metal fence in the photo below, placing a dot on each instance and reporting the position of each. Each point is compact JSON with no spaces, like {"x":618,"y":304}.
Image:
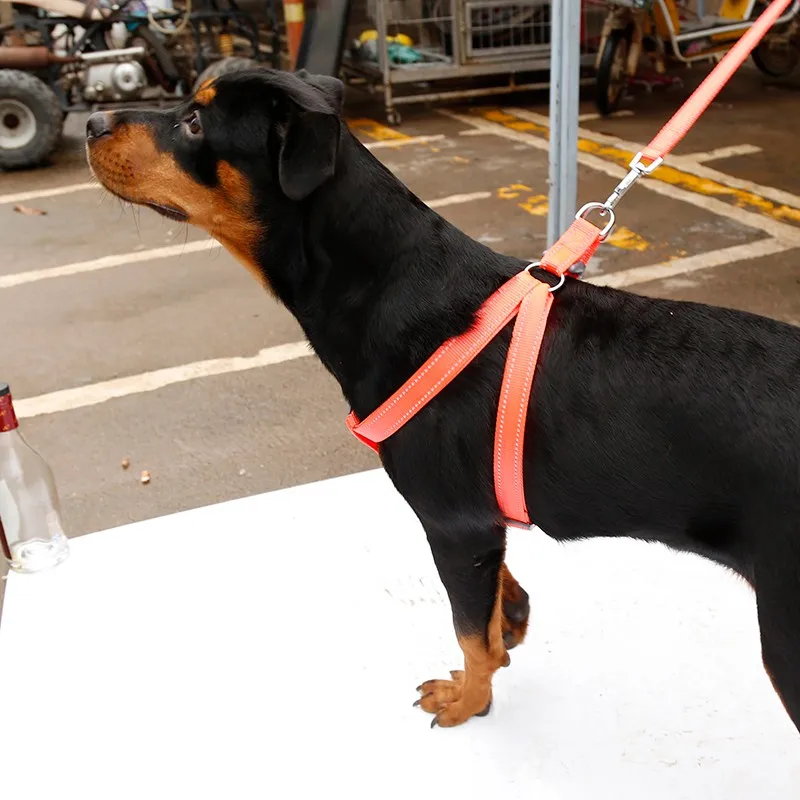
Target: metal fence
{"x":407,"y":44}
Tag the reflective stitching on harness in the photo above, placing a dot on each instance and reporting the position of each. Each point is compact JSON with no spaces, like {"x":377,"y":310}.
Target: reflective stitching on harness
{"x":521,"y":416}
{"x":499,"y":439}
{"x":523,"y":406}
{"x":420,"y":375}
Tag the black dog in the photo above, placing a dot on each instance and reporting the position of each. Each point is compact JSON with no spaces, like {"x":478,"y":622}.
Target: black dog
{"x":665,"y":421}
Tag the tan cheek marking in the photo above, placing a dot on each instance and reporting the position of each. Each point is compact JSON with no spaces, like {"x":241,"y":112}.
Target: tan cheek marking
{"x":131,"y":165}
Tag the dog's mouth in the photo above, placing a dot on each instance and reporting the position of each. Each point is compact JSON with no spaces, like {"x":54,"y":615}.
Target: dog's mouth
{"x":108,"y":179}
{"x":170,"y":212}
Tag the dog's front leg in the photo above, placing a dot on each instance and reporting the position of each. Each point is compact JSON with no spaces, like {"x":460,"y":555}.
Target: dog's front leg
{"x":470,"y":564}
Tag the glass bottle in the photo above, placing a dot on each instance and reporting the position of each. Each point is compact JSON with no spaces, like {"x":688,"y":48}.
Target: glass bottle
{"x":31,"y":535}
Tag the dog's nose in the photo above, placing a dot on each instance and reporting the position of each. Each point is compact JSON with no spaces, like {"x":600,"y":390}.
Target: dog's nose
{"x":98,"y":125}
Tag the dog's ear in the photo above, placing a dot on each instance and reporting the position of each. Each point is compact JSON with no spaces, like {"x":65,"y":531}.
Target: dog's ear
{"x":332,"y":88}
{"x":311,"y":134}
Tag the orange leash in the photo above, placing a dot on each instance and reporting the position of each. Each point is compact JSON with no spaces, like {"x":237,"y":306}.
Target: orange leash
{"x":530,"y":300}
{"x":581,"y":239}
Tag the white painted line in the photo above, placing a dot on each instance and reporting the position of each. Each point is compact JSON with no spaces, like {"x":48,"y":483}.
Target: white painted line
{"x":723,"y":152}
{"x":483,"y":126}
{"x":688,"y":163}
{"x":681,"y":266}
{"x":170,"y":251}
{"x":778,"y":230}
{"x":457,"y":199}
{"x":595,"y":115}
{"x":93,"y":394}
{"x":57,"y":191}
{"x":36,"y":194}
{"x":393,"y":143}
{"x":106,"y":262}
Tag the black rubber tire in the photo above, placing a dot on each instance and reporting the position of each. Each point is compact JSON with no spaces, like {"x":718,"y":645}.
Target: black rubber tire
{"x":606,"y":99}
{"x":763,"y":56}
{"x":764,"y":60}
{"x":43,"y":104}
{"x":223,"y":67}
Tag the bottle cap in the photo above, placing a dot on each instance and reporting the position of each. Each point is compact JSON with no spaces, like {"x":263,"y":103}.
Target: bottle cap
{"x":4,"y":389}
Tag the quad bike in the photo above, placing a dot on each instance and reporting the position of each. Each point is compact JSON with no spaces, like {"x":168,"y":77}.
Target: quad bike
{"x":58,"y":56}
{"x":669,"y":33}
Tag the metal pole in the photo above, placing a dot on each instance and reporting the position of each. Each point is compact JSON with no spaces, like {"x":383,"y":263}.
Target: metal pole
{"x":565,"y":55}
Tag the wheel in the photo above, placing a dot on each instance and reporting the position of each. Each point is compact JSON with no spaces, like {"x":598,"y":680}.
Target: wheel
{"x":30,"y":120}
{"x":393,"y":117}
{"x":611,"y":73}
{"x":776,"y":54}
{"x":223,"y":67}
{"x":777,"y":59}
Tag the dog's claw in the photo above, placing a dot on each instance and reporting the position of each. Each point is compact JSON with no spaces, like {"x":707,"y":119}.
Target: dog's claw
{"x":419,"y":688}
{"x":434,"y":722}
{"x":419,"y":700}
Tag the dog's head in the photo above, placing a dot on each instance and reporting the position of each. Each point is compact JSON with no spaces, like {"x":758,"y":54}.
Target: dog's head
{"x":228,"y":157}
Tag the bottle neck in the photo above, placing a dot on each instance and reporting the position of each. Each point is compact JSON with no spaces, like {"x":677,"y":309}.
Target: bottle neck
{"x":8,"y":419}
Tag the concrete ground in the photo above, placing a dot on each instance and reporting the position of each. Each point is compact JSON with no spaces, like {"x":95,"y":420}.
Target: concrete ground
{"x":128,"y":337}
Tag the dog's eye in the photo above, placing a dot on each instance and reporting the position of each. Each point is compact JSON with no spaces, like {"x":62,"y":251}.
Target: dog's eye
{"x":192,"y":124}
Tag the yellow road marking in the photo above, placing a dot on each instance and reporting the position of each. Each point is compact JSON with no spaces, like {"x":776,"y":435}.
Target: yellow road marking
{"x":536,"y":205}
{"x":626,"y":239}
{"x":374,"y":130}
{"x":513,"y":191}
{"x":688,"y":163}
{"x":742,"y":198}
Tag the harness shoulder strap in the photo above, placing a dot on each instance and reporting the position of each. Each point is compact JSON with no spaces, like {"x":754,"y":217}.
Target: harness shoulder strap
{"x":512,"y":411}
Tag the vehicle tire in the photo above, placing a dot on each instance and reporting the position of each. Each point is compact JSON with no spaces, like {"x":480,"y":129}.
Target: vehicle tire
{"x":223,"y":67}
{"x":610,"y":81}
{"x":30,"y":120}
{"x":777,"y":60}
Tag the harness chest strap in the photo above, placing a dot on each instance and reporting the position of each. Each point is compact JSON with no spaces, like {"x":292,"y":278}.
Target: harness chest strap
{"x":524,"y":297}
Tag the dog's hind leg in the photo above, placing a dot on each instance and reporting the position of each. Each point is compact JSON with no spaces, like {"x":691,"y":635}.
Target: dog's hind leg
{"x":470,"y":565}
{"x":778,"y":598}
{"x":516,"y":610}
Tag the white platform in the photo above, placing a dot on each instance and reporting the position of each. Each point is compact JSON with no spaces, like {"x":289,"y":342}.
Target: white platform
{"x":269,"y":648}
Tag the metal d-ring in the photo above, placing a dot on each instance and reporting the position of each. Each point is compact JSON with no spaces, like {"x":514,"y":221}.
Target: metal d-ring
{"x":551,"y":289}
{"x":603,"y":209}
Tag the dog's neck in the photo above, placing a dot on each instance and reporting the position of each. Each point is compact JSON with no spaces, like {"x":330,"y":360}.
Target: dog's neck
{"x":376,"y":278}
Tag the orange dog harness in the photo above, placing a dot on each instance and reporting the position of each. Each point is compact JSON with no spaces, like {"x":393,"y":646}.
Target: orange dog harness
{"x":529,"y":300}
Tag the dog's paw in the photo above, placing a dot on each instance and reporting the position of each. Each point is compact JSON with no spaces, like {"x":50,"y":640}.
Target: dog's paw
{"x":446,"y":700}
